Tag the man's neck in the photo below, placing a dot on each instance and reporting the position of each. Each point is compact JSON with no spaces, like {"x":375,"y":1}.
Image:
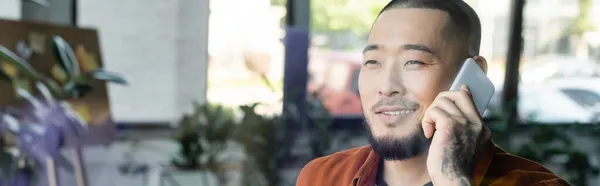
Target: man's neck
{"x":406,"y":172}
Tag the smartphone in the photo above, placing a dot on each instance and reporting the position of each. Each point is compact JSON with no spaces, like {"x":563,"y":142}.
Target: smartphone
{"x":481,"y":87}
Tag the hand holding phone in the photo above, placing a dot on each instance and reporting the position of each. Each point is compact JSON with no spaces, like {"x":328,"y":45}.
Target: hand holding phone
{"x":453,"y":123}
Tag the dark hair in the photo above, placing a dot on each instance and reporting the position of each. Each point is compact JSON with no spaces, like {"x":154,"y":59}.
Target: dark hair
{"x":462,"y":19}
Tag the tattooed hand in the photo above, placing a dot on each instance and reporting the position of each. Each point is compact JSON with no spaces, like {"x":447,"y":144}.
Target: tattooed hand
{"x":455,"y":125}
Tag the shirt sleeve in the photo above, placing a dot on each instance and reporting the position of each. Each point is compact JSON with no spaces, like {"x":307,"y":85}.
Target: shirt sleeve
{"x":552,"y":182}
{"x":306,"y":175}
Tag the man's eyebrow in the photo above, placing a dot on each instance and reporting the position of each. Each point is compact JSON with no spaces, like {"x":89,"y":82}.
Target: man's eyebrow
{"x":370,"y":47}
{"x":418,"y":47}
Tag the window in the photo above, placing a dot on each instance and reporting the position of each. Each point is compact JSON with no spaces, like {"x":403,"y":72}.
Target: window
{"x":558,"y":56}
{"x":339,"y":30}
{"x":246,"y":48}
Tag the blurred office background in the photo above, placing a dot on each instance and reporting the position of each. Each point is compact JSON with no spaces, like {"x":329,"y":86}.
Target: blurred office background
{"x":233,"y":52}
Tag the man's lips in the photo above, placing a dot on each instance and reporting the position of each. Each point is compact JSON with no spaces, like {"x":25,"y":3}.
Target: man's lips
{"x":393,"y":110}
{"x":393,"y":115}
{"x":396,"y":113}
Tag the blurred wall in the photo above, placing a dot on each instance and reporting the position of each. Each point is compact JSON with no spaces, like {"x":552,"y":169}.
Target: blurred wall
{"x":160,"y":46}
{"x":10,"y":9}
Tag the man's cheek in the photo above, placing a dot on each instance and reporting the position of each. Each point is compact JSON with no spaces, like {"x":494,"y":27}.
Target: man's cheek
{"x":425,"y":91}
{"x":421,"y":89}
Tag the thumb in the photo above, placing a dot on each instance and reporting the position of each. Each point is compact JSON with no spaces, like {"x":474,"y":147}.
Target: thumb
{"x":428,"y":126}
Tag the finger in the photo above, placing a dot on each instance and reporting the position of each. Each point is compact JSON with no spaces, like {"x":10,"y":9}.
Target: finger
{"x":450,"y":107}
{"x":436,"y":119}
{"x":428,"y":128}
{"x":462,"y":99}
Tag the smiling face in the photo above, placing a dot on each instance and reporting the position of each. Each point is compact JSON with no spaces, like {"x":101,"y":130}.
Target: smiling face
{"x":407,"y":62}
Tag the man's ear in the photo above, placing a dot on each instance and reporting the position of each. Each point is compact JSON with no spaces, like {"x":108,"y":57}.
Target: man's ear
{"x":481,"y":62}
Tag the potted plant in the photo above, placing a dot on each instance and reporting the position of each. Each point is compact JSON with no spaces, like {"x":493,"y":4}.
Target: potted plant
{"x":261,"y":141}
{"x":321,"y":119}
{"x":266,"y":143}
{"x":202,"y":136}
{"x":550,"y":144}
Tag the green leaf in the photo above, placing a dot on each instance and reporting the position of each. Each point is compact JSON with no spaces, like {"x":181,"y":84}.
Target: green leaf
{"x":64,"y":55}
{"x":108,"y":76}
{"x":21,"y":64}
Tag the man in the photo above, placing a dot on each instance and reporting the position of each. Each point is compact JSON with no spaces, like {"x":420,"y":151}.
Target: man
{"x":422,"y":134}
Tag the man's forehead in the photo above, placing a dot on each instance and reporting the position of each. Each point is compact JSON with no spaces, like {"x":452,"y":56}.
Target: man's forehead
{"x":400,"y":12}
{"x":411,"y":18}
{"x":399,"y":26}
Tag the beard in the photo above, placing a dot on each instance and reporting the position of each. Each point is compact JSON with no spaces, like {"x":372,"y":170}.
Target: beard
{"x":393,"y":148}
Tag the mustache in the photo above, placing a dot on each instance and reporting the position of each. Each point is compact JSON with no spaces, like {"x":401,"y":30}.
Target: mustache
{"x":396,"y":102}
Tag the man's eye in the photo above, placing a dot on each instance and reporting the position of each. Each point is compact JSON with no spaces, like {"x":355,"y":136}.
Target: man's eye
{"x":414,"y":62}
{"x":370,"y":62}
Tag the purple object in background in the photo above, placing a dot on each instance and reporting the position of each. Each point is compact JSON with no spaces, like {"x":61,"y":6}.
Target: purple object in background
{"x":49,"y":111}
{"x":41,"y":127}
{"x":21,"y":178}
{"x":39,"y":142}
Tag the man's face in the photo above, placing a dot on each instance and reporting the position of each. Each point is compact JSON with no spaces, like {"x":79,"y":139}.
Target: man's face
{"x":407,"y":62}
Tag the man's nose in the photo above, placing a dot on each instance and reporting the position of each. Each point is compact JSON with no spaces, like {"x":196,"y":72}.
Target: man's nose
{"x":392,"y":85}
{"x":387,"y":92}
